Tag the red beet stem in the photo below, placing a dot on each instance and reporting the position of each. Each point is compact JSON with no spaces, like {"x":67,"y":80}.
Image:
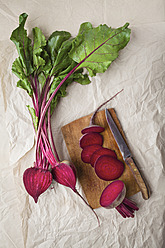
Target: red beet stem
{"x":127,"y":208}
{"x":48,"y":151}
{"x":130,"y":209}
{"x":51,"y":136}
{"x":120,"y":212}
{"x":93,"y":116}
{"x":124,"y":210}
{"x":127,"y":211}
{"x":131,"y":204}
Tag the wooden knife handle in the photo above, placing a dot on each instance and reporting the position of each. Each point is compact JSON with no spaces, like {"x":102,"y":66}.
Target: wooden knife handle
{"x":138,"y":177}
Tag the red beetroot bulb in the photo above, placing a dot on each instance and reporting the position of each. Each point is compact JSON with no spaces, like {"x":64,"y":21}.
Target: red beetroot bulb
{"x":108,"y":168}
{"x":100,"y":152}
{"x":65,"y":174}
{"x":36,"y":181}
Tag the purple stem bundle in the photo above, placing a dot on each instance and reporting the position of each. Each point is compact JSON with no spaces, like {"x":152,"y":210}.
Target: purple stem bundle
{"x":45,"y":106}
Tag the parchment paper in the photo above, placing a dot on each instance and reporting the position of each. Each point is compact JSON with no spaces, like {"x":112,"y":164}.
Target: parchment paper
{"x":60,"y":219}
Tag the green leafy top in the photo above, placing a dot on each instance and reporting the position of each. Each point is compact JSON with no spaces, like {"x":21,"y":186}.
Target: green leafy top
{"x":44,"y":63}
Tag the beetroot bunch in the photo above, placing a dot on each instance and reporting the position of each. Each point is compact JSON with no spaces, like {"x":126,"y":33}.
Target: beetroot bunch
{"x":45,"y":67}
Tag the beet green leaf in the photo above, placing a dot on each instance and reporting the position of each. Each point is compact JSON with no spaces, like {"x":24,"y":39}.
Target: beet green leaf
{"x":96,"y":48}
{"x":23,"y":45}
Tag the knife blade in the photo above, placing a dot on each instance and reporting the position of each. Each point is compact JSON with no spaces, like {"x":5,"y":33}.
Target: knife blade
{"x":127,"y":156}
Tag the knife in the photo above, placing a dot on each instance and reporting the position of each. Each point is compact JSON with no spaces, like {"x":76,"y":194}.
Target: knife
{"x":127,"y":156}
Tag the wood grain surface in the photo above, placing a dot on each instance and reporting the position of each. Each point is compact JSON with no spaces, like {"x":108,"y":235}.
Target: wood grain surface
{"x":91,"y":184}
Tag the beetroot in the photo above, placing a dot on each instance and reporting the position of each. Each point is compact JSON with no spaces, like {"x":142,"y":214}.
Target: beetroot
{"x":113,"y":196}
{"x":88,"y":151}
{"x":100,"y":152}
{"x":108,"y":168}
{"x":36,"y":181}
{"x":91,"y":139}
{"x":64,"y":174}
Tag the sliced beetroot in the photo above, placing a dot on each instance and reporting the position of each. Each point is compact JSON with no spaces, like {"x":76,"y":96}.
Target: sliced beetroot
{"x":88,"y":151}
{"x":108,"y":168}
{"x":36,"y":181}
{"x":93,"y":129}
{"x":91,"y":139}
{"x":100,"y":152}
{"x":113,"y":194}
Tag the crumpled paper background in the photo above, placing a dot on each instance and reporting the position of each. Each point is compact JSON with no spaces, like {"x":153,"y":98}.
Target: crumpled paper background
{"x":60,"y":219}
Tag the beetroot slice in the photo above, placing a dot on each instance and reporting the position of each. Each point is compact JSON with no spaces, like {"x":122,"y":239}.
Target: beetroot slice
{"x":100,"y":152}
{"x":113,"y":194}
{"x":91,"y":139}
{"x":108,"y":168}
{"x":93,"y":129}
{"x":88,"y":151}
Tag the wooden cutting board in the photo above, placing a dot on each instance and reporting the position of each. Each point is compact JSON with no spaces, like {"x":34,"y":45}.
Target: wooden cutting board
{"x":91,"y":184}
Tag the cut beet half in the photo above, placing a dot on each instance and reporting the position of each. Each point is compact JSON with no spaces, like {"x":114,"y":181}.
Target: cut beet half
{"x":108,"y":168}
{"x":93,"y":129}
{"x":88,"y":151}
{"x":91,"y":139}
{"x":113,"y":195}
{"x":100,"y":152}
